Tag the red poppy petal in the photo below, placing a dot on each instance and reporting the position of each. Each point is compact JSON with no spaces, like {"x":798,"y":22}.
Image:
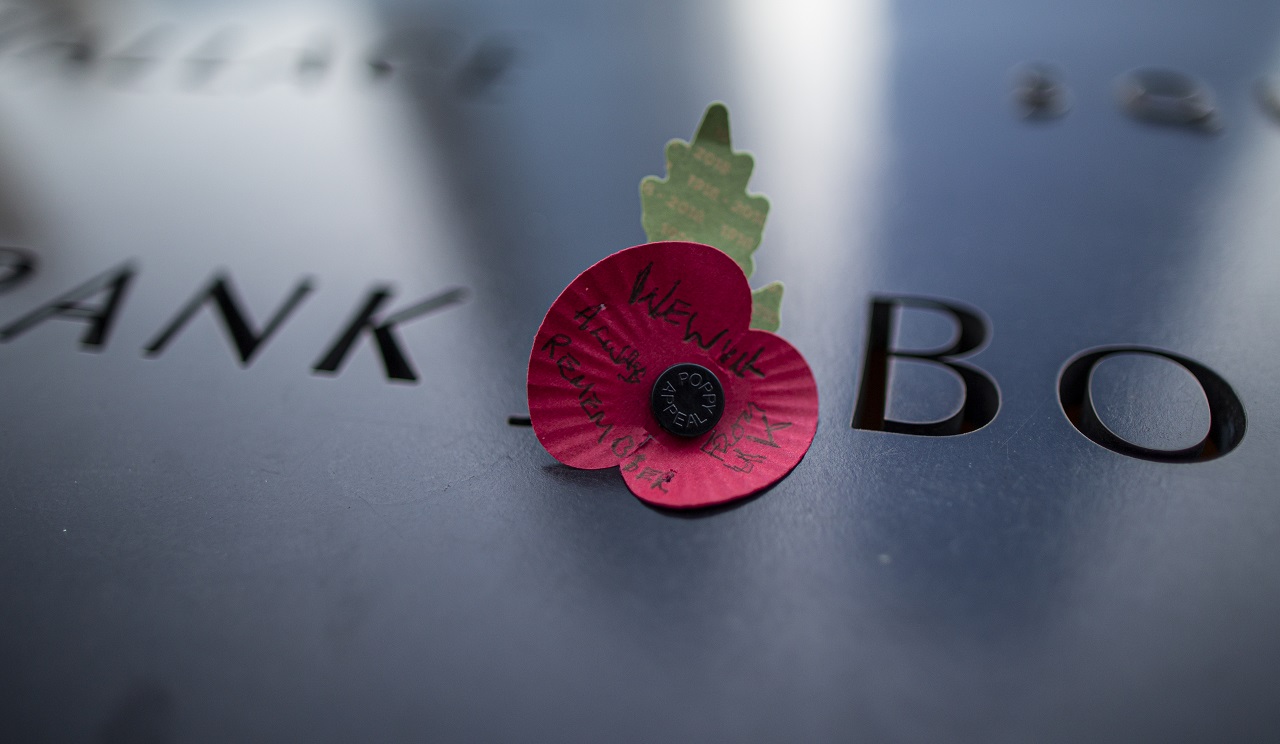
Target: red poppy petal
{"x":767,"y":427}
{"x":623,"y":321}
{"x":596,"y":354}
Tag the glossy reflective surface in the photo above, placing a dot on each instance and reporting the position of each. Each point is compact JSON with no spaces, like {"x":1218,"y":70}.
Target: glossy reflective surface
{"x":196,"y":549}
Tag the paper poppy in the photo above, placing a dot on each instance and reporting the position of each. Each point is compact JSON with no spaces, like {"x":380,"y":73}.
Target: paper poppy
{"x":645,"y":362}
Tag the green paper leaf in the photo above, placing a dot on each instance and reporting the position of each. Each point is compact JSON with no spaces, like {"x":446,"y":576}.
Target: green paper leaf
{"x":766,"y":305}
{"x":704,"y":199}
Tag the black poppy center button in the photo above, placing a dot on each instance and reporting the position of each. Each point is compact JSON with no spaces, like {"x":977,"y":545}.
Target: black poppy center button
{"x":687,"y":399}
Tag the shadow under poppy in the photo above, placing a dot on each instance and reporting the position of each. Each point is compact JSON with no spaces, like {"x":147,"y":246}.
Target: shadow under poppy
{"x":579,"y":477}
{"x":707,"y":511}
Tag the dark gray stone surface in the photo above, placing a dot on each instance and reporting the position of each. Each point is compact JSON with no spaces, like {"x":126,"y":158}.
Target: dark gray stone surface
{"x":195,"y":550}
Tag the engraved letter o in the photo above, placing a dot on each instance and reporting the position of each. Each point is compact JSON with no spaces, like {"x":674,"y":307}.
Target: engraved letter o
{"x":1226,"y":412}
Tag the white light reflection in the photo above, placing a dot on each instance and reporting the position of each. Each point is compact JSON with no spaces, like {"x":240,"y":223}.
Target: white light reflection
{"x":811,"y":102}
{"x":1239,"y":264}
{"x":812,"y":95}
{"x":299,"y":163}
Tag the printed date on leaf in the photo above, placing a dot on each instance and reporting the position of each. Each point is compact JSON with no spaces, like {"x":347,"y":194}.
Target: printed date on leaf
{"x":704,"y":200}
